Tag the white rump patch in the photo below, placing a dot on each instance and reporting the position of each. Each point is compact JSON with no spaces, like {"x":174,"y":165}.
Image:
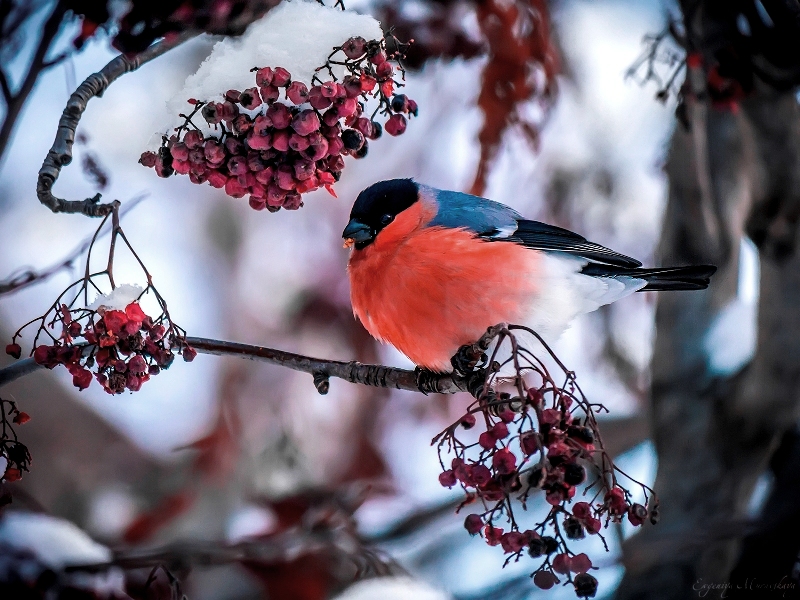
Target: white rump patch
{"x":565,"y":293}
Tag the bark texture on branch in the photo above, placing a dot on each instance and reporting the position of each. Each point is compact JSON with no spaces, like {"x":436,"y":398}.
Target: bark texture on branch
{"x":733,"y":173}
{"x":322,"y":370}
{"x":60,"y":154}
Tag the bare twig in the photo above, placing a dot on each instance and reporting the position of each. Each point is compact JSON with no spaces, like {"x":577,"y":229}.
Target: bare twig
{"x":60,"y":153}
{"x":28,"y":277}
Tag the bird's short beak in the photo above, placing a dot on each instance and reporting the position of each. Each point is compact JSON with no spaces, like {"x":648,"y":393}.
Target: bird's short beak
{"x":356,"y":232}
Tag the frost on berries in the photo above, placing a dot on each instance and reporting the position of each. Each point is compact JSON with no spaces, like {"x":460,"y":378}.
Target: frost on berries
{"x":538,"y":435}
{"x":280,"y":138}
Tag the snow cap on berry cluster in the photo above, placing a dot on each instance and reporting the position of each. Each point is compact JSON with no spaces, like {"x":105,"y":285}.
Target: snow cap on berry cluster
{"x":119,"y":298}
{"x":297,"y":35}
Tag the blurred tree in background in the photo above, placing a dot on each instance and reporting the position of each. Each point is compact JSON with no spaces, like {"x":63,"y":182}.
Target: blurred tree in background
{"x":275,"y":495}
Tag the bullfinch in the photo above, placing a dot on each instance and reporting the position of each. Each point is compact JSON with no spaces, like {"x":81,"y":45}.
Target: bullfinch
{"x":430,"y":270}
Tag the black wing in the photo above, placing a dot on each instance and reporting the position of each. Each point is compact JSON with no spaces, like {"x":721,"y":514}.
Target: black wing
{"x":541,"y":236}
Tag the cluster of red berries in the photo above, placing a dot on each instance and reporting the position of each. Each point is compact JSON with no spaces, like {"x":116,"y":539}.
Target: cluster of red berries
{"x":274,"y":151}
{"x":530,"y":444}
{"x":121,"y":349}
{"x":12,"y":450}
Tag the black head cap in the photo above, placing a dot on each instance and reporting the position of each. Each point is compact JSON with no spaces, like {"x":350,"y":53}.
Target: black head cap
{"x":377,"y":206}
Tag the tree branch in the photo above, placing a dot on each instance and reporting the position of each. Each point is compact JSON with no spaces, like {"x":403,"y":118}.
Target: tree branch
{"x":60,"y":153}
{"x":381,"y":376}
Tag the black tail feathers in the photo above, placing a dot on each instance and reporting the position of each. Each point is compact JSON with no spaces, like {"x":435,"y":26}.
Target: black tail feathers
{"x":693,"y":277}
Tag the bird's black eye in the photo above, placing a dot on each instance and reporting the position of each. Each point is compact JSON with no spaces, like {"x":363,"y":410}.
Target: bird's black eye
{"x":386,"y":219}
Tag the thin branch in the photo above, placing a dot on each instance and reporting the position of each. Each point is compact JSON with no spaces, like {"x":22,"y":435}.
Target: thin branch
{"x":4,"y":87}
{"x":60,"y":153}
{"x":352,"y":371}
{"x":30,"y":277}
{"x":15,"y":102}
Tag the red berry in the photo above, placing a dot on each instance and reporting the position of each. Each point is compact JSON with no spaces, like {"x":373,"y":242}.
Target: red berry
{"x":368,"y":82}
{"x":513,"y":541}
{"x":346,"y":107}
{"x":280,"y":140}
{"x":493,"y":535}
{"x":468,"y":421}
{"x":188,"y":353}
{"x":447,"y":479}
{"x":241,"y":124}
{"x":269,"y":93}
{"x":500,"y":431}
{"x":378,"y":58}
{"x":335,"y":146}
{"x":384,"y":70}
{"x":592,"y":525}
{"x":580,"y":563}
{"x":232,"y":95}
{"x":396,"y":125}
{"x":480,"y":475}
{"x":237,"y":165}
{"x":487,"y":440}
{"x":257,"y":141}
{"x":352,"y":86}
{"x":298,"y":142}
{"x":14,"y":350}
{"x":279,"y":115}
{"x":303,"y":169}
{"x":544,"y":580}
{"x":148,"y":159}
{"x":317,"y":99}
{"x":257,"y":203}
{"x":328,"y":89}
{"x":212,"y":113}
{"x":562,"y":563}
{"x":281,"y":77}
{"x":318,"y":147}
{"x":193,"y":139}
{"x":504,"y":462}
{"x":581,"y":510}
{"x":275,"y":196}
{"x":249,"y":99}
{"x":234,"y":189}
{"x":229,"y":111}
{"x":82,"y":378}
{"x":21,"y":418}
{"x":264,"y":77}
{"x":305,"y":122}
{"x":12,"y":475}
{"x":216,"y":179}
{"x":473,"y":524}
{"x":293,"y":201}
{"x":214,"y":152}
{"x":637,"y":514}
{"x":297,"y":92}
{"x":354,"y":47}
{"x":528,"y":442}
{"x":507,"y":415}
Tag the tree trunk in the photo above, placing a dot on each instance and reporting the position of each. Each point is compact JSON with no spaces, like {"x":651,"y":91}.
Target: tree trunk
{"x":734,"y":172}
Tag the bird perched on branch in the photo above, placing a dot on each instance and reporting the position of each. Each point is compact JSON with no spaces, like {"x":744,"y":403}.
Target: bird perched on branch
{"x":430,"y":270}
